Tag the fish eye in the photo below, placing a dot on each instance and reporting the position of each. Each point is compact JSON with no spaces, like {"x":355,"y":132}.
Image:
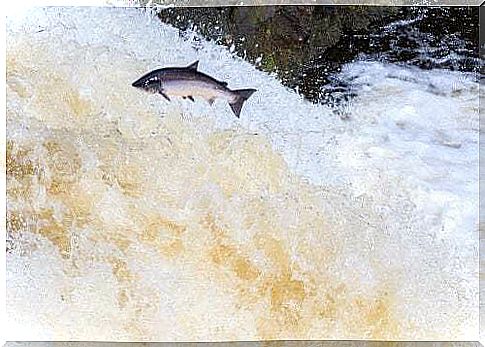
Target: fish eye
{"x":153,"y":79}
{"x":152,"y":83}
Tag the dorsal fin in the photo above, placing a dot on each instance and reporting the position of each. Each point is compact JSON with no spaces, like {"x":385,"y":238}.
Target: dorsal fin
{"x":194,"y":65}
{"x":223,"y":83}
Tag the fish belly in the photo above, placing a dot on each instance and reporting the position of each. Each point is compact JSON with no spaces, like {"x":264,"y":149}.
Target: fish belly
{"x":204,"y":91}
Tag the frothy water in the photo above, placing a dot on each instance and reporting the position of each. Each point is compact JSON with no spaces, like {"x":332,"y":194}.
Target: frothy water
{"x":131,"y":218}
{"x":426,"y":37}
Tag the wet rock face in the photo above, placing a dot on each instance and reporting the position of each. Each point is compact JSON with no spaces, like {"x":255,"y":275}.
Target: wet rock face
{"x":307,"y":45}
{"x":287,"y":40}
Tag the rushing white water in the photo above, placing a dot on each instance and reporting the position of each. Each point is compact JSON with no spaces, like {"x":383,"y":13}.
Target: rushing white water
{"x":131,"y":218}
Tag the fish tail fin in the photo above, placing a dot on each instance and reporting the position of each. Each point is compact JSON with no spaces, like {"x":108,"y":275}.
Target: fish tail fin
{"x":242,"y":96}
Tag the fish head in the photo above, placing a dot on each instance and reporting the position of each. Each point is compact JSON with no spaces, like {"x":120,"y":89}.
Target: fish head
{"x":151,"y":82}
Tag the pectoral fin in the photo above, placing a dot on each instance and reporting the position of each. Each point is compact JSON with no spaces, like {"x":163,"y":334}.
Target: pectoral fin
{"x":211,"y":101}
{"x":165,"y":95}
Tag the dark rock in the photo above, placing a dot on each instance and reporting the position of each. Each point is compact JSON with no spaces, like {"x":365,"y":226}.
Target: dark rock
{"x":306,"y":45}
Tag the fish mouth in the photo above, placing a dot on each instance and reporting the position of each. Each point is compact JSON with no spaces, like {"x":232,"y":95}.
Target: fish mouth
{"x":138,"y":83}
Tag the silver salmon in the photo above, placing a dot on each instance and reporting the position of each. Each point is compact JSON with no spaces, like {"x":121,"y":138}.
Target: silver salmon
{"x":188,"y":83}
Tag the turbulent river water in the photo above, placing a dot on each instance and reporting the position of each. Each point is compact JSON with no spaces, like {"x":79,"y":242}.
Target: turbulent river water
{"x":179,"y":222}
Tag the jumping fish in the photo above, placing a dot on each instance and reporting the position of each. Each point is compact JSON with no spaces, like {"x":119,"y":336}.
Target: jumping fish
{"x":188,"y":82}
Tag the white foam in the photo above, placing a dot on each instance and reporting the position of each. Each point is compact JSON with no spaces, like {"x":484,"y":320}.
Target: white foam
{"x":397,"y":183}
